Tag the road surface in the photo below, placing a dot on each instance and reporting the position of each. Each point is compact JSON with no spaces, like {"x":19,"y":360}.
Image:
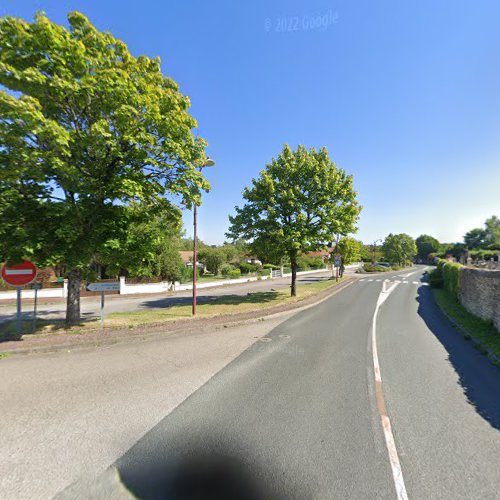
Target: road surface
{"x":293,"y":409}
{"x":90,"y":306}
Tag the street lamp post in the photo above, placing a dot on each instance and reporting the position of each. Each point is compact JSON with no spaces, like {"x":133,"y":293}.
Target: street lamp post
{"x":208,"y":163}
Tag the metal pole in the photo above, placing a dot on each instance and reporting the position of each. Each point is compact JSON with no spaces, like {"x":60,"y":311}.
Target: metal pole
{"x":102,"y":309}
{"x":34,"y":308}
{"x":18,"y":317}
{"x":195,"y":258}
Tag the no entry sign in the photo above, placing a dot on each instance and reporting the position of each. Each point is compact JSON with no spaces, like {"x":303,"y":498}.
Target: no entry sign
{"x":19,"y":275}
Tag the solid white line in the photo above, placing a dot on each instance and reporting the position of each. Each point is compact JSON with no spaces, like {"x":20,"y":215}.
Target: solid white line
{"x":397,"y":472}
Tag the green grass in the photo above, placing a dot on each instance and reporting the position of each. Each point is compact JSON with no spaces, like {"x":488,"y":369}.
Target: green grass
{"x":5,"y":355}
{"x":482,"y":331}
{"x":223,"y":305}
{"x":8,"y":330}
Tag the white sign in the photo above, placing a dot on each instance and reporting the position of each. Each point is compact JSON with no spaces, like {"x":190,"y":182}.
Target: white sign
{"x":104,"y":287}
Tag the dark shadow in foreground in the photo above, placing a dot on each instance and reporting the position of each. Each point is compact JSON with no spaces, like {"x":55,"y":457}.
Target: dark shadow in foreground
{"x":479,"y":378}
{"x":202,"y":471}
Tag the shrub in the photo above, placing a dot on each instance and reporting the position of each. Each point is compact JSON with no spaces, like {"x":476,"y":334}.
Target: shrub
{"x":246,"y":268}
{"x":373,"y":268}
{"x":186,"y":274}
{"x":305,"y":262}
{"x":270,"y":266}
{"x":436,"y":278}
{"x":225,"y":269}
{"x":451,"y":276}
{"x":234,"y":273}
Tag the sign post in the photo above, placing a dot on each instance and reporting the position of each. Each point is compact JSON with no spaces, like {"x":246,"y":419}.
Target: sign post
{"x":19,"y":275}
{"x":35,"y":287}
{"x":103,"y":287}
{"x":337,"y":265}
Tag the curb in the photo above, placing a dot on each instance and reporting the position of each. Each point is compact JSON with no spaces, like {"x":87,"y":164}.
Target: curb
{"x":465,"y":333}
{"x":218,"y":326}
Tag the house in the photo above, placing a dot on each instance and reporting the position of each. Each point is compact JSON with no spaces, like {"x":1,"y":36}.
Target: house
{"x":252,"y":259}
{"x":187,"y":258}
{"x":324,"y":253}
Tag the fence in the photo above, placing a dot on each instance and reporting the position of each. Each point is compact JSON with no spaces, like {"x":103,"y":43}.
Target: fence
{"x":159,"y":287}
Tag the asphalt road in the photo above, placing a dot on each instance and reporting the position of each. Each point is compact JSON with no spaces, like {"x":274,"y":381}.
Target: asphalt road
{"x":291,"y":409}
{"x":90,"y":306}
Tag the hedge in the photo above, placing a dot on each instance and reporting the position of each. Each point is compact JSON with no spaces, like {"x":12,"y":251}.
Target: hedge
{"x":451,"y":276}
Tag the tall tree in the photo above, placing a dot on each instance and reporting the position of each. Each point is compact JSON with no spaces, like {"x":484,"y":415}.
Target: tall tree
{"x":298,"y":202}
{"x":475,"y":238}
{"x":86,"y":129}
{"x":399,"y":248}
{"x":492,"y":230}
{"x":425,"y":245}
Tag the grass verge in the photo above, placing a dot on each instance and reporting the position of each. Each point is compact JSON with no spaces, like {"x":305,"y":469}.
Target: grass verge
{"x":207,"y":307}
{"x":218,"y":306}
{"x":482,"y":332}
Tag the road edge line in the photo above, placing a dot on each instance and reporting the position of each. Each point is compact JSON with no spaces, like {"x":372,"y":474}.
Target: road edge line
{"x":397,"y":472}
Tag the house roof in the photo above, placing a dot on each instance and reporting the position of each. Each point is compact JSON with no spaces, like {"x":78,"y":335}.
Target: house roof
{"x":186,"y":255}
{"x":320,"y":253}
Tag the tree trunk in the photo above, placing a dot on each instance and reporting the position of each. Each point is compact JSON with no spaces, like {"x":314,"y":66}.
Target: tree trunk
{"x":73,"y":300}
{"x":294,"y":278}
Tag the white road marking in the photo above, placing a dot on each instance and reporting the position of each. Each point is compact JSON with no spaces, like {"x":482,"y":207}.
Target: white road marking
{"x":362,"y":279}
{"x":378,"y":280}
{"x":405,"y":281}
{"x":397,"y":472}
{"x":416,"y":282}
{"x":409,"y":274}
{"x":17,"y":272}
{"x":370,"y":280}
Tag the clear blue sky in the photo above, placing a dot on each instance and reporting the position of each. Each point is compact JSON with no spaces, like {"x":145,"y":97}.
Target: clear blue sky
{"x":405,"y":95}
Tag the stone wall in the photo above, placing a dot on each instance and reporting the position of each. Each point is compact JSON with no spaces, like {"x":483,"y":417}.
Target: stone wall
{"x":480,"y":293}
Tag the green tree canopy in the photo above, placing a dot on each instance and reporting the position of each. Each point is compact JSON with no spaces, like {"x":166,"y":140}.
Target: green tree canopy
{"x":300,"y":200}
{"x":399,"y":248}
{"x":492,"y":228}
{"x":425,"y":245}
{"x":150,"y":248}
{"x":85,"y":129}
{"x":350,"y":250}
{"x":475,"y":238}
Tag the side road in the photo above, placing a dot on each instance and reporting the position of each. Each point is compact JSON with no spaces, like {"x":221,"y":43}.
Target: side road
{"x":90,"y":306}
{"x":62,"y":339}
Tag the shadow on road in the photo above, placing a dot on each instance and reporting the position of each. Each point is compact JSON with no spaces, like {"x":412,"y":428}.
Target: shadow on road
{"x":249,"y":298}
{"x":479,"y":378}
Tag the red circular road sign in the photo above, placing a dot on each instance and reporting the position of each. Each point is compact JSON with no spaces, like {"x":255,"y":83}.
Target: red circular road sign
{"x":19,"y":275}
